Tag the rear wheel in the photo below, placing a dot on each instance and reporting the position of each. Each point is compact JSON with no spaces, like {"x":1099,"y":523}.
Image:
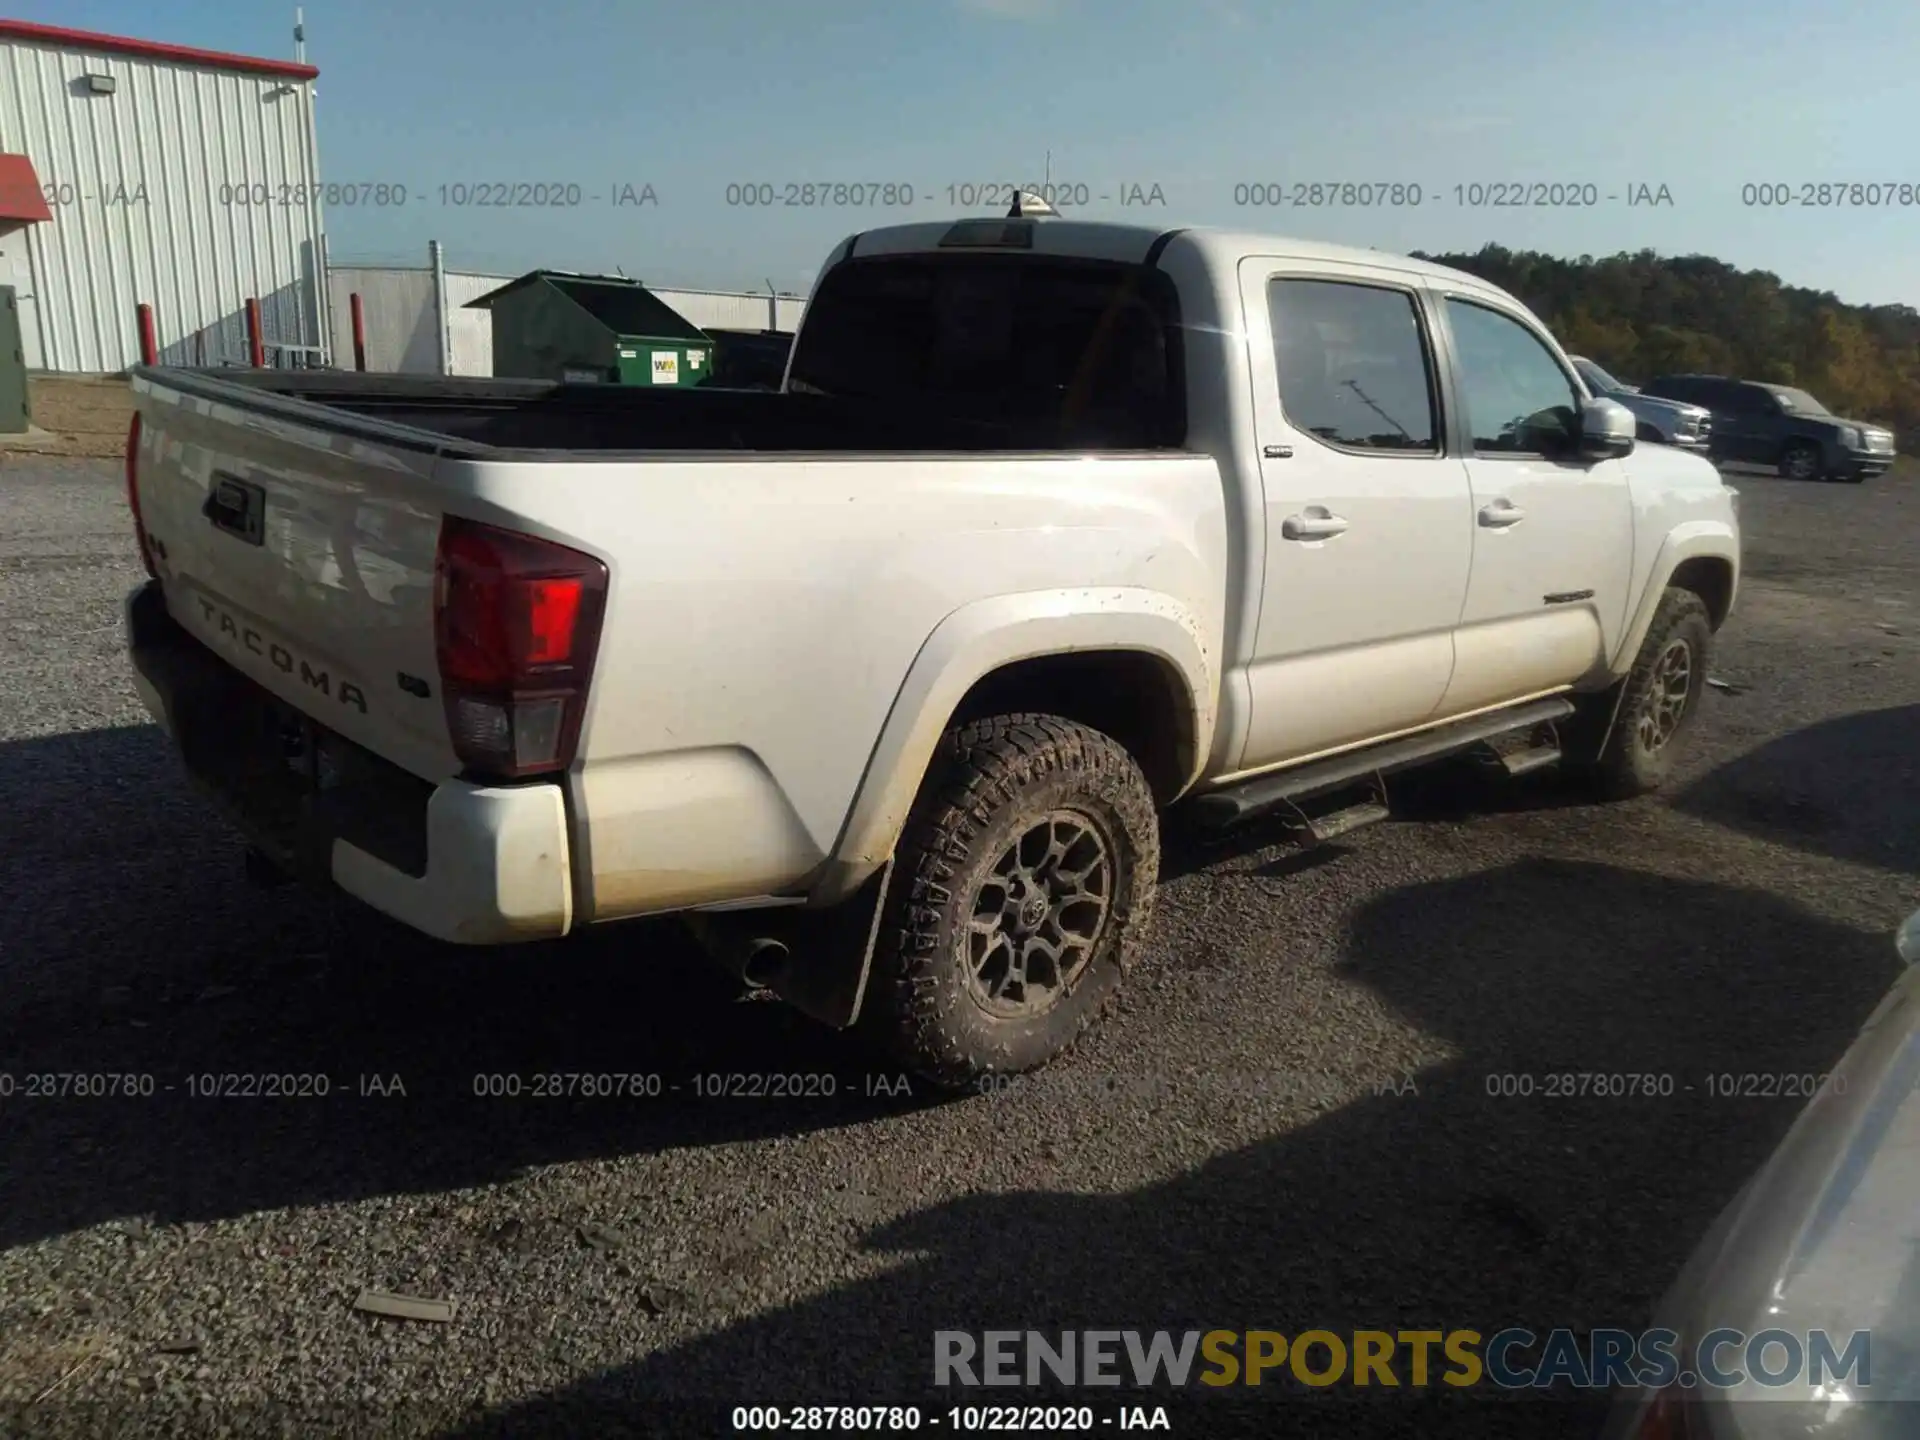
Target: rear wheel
{"x":1801,"y":461}
{"x":1660,"y":698}
{"x":1023,"y":884}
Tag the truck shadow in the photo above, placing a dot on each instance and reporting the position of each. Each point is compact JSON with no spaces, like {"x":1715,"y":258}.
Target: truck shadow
{"x":1445,"y":1203}
{"x":1846,"y":788}
{"x":132,"y":947}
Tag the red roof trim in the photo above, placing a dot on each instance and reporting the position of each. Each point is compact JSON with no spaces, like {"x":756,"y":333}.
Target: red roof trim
{"x":151,"y":50}
{"x":21,"y":199}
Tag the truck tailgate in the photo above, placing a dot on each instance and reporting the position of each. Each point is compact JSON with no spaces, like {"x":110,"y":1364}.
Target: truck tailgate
{"x":304,"y":557}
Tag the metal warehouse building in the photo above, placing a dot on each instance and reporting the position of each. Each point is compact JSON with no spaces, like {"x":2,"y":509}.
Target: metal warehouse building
{"x":132,"y":173}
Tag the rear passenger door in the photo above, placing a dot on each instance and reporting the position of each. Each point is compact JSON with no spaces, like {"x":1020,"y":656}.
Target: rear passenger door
{"x":1368,"y":525}
{"x":1552,"y":532}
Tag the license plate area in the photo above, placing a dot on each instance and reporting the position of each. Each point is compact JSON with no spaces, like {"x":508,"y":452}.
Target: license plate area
{"x":238,"y":508}
{"x":292,"y":785}
{"x":313,"y":755}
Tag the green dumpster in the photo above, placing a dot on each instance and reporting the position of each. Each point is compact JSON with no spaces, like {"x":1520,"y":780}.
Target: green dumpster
{"x":592,"y":329}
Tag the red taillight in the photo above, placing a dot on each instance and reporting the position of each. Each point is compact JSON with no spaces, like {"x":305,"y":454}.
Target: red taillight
{"x":516,"y":625}
{"x":133,"y":494}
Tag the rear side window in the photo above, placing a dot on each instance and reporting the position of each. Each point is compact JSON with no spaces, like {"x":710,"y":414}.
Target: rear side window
{"x":1353,"y":365}
{"x":1049,"y":351}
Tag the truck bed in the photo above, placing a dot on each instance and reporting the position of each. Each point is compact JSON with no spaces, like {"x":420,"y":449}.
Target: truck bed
{"x":530,"y":417}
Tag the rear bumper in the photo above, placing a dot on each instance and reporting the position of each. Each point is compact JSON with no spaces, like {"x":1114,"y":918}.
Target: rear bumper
{"x":475,"y":865}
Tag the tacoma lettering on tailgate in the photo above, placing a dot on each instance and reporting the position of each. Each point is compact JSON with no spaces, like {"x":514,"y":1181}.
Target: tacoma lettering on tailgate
{"x":281,"y":658}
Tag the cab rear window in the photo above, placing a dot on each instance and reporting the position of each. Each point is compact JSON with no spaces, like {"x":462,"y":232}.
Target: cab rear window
{"x":1058,"y":352}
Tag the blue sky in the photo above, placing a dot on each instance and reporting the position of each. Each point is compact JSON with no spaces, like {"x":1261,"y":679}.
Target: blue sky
{"x":1194,"y":96}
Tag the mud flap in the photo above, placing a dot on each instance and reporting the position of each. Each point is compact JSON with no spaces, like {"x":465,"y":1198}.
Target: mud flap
{"x":830,"y":949}
{"x":1590,"y":740}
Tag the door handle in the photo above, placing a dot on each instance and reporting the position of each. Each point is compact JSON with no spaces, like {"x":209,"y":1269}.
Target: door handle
{"x":1316,"y":522}
{"x":1500,"y":514}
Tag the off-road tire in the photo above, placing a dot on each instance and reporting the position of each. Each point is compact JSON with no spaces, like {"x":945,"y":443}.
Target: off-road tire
{"x":991,"y":782}
{"x":1629,"y":765}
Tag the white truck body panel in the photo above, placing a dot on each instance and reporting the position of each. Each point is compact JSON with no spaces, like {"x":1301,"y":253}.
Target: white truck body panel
{"x":761,"y":733}
{"x":788,"y":634}
{"x":338,"y":598}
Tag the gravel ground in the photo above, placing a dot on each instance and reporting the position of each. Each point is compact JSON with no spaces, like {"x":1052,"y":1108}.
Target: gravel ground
{"x":1317,"y":1147}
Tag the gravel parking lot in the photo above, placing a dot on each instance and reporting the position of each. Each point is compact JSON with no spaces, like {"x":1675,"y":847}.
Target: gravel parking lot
{"x":1287,"y":1125}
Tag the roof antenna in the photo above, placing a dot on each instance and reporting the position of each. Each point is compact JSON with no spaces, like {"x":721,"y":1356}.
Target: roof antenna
{"x":1026,"y":203}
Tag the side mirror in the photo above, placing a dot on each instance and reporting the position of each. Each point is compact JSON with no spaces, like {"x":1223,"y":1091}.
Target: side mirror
{"x":1606,"y":430}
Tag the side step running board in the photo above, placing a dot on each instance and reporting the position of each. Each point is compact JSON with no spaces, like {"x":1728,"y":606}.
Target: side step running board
{"x":1222,"y":808}
{"x":1322,"y":828}
{"x":1525,"y":762}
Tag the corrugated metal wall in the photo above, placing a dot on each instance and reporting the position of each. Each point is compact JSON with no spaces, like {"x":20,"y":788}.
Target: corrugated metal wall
{"x":471,"y":331}
{"x":397,"y":306}
{"x":145,"y":208}
{"x":732,"y":310}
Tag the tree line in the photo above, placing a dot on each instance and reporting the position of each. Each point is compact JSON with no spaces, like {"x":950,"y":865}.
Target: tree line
{"x":1643,"y":314}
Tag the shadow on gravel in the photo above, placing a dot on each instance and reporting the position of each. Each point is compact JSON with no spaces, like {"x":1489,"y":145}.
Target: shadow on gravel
{"x":130,"y":946}
{"x":1442,"y":1207}
{"x":1847,"y":788}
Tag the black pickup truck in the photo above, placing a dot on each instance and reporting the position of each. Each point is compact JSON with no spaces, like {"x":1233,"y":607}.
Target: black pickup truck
{"x":1779,"y":426}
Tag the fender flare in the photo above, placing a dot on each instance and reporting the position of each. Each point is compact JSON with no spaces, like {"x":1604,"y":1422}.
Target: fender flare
{"x":1697,"y":539}
{"x":970,"y":644}
{"x":1694,"y":540}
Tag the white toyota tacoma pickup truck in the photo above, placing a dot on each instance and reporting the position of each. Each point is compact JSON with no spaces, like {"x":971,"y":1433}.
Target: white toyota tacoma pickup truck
{"x":885,"y":678}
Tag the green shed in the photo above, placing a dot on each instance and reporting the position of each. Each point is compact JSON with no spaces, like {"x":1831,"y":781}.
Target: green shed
{"x":15,"y":417}
{"x":595,"y":329}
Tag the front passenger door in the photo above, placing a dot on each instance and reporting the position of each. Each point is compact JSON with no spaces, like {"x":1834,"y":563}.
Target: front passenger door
{"x":1762,"y":426}
{"x":1553,"y":533}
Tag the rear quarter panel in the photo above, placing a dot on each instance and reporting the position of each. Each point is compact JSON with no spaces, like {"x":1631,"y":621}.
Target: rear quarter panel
{"x":764,"y":616}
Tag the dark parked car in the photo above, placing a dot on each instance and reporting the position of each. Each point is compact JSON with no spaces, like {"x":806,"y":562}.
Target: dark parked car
{"x":1668,"y":422}
{"x":1777,"y":425}
{"x":750,"y":359}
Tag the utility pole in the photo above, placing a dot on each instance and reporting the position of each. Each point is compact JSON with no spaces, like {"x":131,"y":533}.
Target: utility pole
{"x":322,"y":291}
{"x":436,"y":258}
